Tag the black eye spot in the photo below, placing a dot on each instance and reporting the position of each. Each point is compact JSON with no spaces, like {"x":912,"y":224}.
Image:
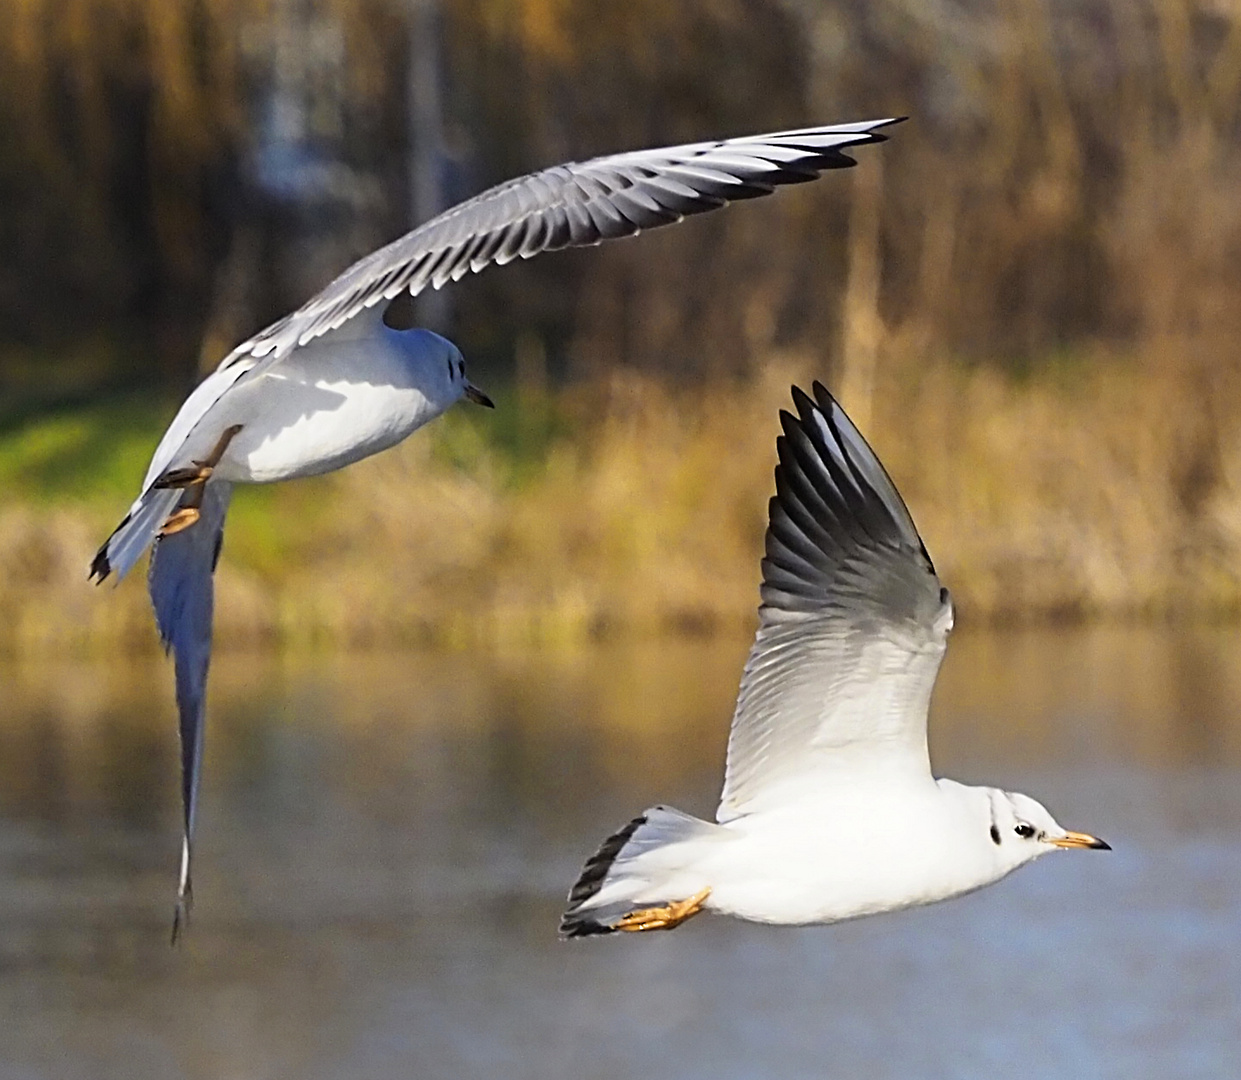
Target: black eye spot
{"x":995,"y":834}
{"x":460,"y":367}
{"x":1024,"y":829}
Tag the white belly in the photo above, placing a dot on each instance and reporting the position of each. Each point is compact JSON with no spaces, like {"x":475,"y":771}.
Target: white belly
{"x":318,"y":413}
{"x":804,"y":867}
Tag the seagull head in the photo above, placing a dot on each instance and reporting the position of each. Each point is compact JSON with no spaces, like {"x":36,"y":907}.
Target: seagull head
{"x":462,"y":385}
{"x":439,"y":368}
{"x":1022,"y":829}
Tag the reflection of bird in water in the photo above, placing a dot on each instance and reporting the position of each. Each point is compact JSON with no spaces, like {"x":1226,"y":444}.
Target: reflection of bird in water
{"x":829,"y":808}
{"x":331,"y":384}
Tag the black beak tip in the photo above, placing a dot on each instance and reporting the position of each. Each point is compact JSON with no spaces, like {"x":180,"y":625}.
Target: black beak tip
{"x":1101,"y":845}
{"x":478,"y":397}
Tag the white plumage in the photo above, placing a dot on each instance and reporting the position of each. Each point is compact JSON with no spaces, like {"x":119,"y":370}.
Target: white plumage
{"x":330,"y":384}
{"x":829,"y":810}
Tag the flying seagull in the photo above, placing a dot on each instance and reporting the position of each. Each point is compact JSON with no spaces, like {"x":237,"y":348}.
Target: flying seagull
{"x":331,"y":384}
{"x":829,"y":809}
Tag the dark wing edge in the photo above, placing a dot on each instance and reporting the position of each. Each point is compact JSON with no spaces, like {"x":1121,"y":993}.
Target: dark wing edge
{"x":837,"y":525}
{"x":571,"y":205}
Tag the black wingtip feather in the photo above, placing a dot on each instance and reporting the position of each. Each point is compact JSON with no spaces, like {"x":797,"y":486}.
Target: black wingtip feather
{"x":877,"y":135}
{"x":867,"y":510}
{"x":834,"y":413}
{"x":100,"y":568}
{"x":833,"y":500}
{"x":577,"y":924}
{"x":803,"y":402}
{"x":600,"y":862}
{"x":823,"y":396}
{"x":180,"y":922}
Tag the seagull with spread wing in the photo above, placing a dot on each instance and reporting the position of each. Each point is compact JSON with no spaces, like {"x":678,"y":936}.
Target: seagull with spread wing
{"x":331,"y":384}
{"x":830,"y":810}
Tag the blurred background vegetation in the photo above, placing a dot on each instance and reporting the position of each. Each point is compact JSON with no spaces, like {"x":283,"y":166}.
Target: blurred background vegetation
{"x":1026,"y":300}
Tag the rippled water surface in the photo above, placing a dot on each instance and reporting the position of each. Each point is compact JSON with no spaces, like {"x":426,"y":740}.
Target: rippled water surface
{"x":385,"y":842}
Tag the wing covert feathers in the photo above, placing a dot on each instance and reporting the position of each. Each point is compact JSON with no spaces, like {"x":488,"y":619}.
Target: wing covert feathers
{"x":570,"y":205}
{"x":852,"y":627}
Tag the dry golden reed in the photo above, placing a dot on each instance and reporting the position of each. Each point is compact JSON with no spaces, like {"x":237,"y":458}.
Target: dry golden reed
{"x":1104,"y":492}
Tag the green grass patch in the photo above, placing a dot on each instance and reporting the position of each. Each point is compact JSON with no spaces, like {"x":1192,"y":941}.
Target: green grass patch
{"x":514,"y":442}
{"x":270,"y":524}
{"x":90,"y":452}
{"x":101,"y":450}
{"x":94,"y":456}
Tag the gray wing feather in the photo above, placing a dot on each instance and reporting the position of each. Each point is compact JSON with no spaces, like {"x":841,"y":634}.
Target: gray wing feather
{"x":853,"y":623}
{"x":182,"y":592}
{"x":572,"y":205}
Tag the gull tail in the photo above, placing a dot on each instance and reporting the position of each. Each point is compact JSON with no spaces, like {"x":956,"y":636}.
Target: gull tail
{"x":655,"y":861}
{"x":134,"y":534}
{"x":182,"y":593}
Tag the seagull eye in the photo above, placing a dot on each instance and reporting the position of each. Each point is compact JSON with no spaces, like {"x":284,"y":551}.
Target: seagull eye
{"x":1024,"y":829}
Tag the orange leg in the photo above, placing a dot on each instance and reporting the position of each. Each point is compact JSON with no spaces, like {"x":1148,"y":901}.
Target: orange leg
{"x":666,"y":917}
{"x":184,"y":516}
{"x":195,"y":480}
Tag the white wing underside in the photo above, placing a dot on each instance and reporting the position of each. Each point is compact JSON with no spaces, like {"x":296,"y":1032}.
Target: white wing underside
{"x":853,"y":626}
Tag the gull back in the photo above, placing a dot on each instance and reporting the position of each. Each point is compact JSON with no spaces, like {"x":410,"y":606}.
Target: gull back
{"x":852,"y":628}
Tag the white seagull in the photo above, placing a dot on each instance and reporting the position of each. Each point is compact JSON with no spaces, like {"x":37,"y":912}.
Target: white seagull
{"x":829,"y":809}
{"x":331,"y":384}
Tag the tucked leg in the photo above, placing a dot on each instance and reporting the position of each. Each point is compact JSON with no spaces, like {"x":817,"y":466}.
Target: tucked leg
{"x":193,"y":478}
{"x":202,"y":469}
{"x":666,"y":917}
{"x":182,"y":518}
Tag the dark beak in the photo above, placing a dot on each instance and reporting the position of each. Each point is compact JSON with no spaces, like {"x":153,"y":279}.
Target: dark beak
{"x":477,"y":396}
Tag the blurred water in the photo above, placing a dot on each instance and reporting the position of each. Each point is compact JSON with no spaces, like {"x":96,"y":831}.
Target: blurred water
{"x":385,"y":843}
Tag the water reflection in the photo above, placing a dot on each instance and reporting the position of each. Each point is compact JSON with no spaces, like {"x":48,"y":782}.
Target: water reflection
{"x":386,"y":840}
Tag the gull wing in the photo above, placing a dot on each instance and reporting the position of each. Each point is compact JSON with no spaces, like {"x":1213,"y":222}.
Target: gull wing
{"x":182,"y":592}
{"x":571,"y":205}
{"x":852,"y":628}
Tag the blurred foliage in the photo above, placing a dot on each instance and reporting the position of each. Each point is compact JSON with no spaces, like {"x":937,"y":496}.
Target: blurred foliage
{"x":1027,"y":298}
{"x":1069,"y":175}
{"x":631,"y":510}
{"x":108,"y":443}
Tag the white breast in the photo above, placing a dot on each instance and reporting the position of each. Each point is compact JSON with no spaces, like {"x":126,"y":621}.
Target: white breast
{"x":330,"y":405}
{"x":845,"y":858}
